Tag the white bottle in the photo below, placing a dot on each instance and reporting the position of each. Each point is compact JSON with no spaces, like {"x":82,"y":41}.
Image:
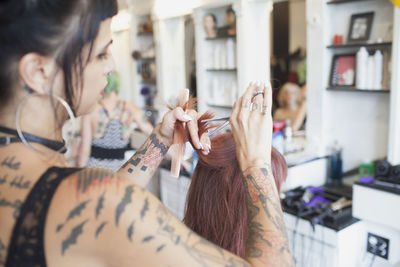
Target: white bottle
{"x":361,"y":71}
{"x":230,"y":49}
{"x":378,"y":70}
{"x":222,"y":57}
{"x":370,"y":73}
{"x":217,"y":52}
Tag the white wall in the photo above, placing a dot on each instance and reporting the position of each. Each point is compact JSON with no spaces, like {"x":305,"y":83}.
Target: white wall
{"x":358,"y":121}
{"x":121,"y":51}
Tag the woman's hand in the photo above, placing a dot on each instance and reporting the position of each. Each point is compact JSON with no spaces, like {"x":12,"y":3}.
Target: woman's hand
{"x":251,"y":123}
{"x":167,"y":126}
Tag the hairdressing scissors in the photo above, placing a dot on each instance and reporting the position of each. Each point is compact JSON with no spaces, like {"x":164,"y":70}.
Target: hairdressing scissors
{"x":212,"y":132}
{"x":226,"y":119}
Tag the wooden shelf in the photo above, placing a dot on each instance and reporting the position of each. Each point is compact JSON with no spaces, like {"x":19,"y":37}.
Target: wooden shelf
{"x":147,"y":58}
{"x":357,"y":45}
{"x":145,"y":34}
{"x":353,"y":89}
{"x":150,"y":82}
{"x":334,"y":2}
{"x":222,"y":37}
{"x":221,"y":69}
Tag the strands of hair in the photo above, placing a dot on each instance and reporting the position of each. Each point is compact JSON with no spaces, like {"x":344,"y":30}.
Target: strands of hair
{"x":215,"y":206}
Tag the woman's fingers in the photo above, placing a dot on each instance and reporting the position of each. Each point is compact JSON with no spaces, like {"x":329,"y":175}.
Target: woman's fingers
{"x":267,"y":106}
{"x":251,"y":127}
{"x":194,"y":130}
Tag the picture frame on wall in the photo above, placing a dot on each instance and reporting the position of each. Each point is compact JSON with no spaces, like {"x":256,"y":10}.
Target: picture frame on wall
{"x":343,"y":71}
{"x":360,"y":27}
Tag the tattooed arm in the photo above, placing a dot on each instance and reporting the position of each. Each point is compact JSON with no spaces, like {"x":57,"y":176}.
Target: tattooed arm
{"x":267,"y":242}
{"x":113,"y":222}
{"x":251,"y":120}
{"x":141,"y":167}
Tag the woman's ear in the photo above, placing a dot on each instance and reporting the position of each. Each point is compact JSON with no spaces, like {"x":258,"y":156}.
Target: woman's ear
{"x":36,"y":71}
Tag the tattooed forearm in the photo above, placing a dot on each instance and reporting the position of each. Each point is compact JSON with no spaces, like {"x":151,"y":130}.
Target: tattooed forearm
{"x":126,"y":200}
{"x":73,"y":213}
{"x":147,"y":157}
{"x":266,"y":241}
{"x":11,"y":163}
{"x":99,"y":229}
{"x":73,"y":237}
{"x":100,"y":205}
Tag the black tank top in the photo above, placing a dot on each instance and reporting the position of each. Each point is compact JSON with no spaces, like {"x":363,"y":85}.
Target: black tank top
{"x":27,"y":241}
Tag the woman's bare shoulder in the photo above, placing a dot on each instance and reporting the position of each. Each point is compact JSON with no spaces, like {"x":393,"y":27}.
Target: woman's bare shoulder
{"x":99,"y":218}
{"x":87,"y":205}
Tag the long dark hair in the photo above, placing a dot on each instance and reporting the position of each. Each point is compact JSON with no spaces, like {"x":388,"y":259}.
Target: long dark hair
{"x":216,"y":205}
{"x":57,"y":28}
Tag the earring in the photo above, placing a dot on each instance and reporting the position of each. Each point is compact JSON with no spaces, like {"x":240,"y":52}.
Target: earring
{"x":18,"y":114}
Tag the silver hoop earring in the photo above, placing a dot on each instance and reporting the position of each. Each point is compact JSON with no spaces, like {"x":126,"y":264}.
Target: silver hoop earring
{"x":18,"y":114}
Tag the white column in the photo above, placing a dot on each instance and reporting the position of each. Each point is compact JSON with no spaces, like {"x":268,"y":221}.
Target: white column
{"x":170,"y":54}
{"x":316,"y":74}
{"x":394,"y":127}
{"x":253,"y":44}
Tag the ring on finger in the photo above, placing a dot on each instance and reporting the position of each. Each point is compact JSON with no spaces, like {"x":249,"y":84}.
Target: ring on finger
{"x":258,"y":93}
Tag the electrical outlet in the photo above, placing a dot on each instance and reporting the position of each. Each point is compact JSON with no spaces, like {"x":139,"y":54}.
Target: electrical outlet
{"x":378,"y":245}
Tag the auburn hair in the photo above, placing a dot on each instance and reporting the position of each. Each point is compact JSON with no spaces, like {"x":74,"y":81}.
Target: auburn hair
{"x":216,"y":205}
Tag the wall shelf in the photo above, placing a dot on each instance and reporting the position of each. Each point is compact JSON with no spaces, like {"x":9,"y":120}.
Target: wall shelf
{"x":145,"y":34}
{"x":222,"y":70}
{"x":219,"y":106}
{"x":357,"y":45}
{"x":147,"y":59}
{"x":334,"y":2}
{"x":353,"y":89}
{"x":222,"y":37}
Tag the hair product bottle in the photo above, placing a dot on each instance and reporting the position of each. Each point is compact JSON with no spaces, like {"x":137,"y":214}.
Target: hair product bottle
{"x":378,"y":70}
{"x":361,"y":70}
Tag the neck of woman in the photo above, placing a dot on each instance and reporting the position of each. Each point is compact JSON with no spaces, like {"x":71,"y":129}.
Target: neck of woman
{"x":42,"y":122}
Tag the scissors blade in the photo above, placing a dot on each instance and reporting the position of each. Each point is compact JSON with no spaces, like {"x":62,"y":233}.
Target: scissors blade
{"x":217,"y":119}
{"x":219,"y":128}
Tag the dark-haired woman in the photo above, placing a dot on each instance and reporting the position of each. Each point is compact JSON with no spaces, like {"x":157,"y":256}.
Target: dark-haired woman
{"x":54,"y":57}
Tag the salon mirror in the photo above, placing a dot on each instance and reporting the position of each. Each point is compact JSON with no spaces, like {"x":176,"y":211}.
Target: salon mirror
{"x":288,"y":69}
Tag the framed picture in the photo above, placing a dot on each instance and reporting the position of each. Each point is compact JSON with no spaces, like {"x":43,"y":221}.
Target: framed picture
{"x":360,"y":27}
{"x":343,"y":70}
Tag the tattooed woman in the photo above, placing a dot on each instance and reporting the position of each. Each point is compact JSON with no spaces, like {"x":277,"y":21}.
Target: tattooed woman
{"x":106,"y":131}
{"x":54,"y":57}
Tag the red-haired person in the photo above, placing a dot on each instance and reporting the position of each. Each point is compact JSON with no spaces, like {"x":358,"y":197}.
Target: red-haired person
{"x":216,"y":201}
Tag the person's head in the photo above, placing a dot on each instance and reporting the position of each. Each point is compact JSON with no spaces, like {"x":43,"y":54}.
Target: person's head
{"x":55,"y":47}
{"x":113,"y":84}
{"x":216,"y":203}
{"x":210,"y":23}
{"x":230,"y":16}
{"x":289,"y":95}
